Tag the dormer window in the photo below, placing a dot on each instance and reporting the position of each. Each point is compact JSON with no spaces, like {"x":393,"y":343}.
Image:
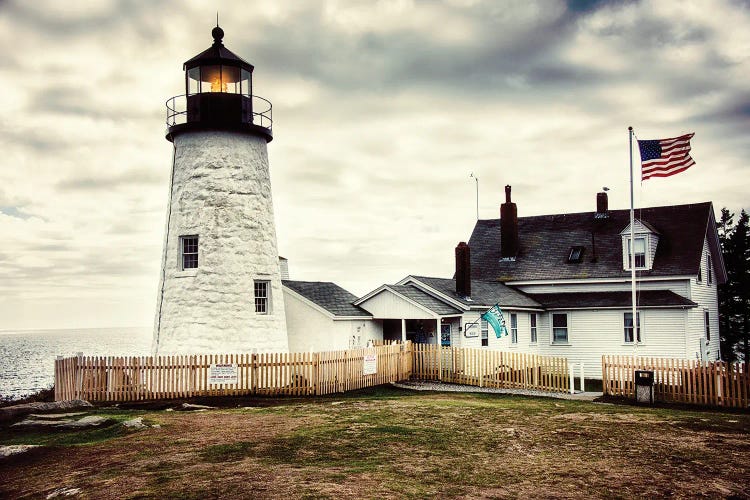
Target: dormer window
{"x":642,"y":249}
{"x":640,"y":253}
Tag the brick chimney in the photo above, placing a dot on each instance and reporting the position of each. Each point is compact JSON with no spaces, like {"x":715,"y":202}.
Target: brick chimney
{"x":508,"y":228}
{"x":602,"y":205}
{"x":463,"y":270}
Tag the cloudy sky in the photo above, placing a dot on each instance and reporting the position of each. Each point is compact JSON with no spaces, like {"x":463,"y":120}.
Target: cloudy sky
{"x":382,"y":109}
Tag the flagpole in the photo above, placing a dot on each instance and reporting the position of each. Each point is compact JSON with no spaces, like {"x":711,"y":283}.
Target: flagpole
{"x":632,"y":245}
{"x":477,"y":183}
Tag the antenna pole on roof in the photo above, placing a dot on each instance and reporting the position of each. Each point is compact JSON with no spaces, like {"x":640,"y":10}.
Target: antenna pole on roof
{"x":477,"y":182}
{"x":632,"y":246}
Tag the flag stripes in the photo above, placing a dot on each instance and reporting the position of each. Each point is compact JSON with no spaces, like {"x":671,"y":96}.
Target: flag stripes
{"x":665,"y":157}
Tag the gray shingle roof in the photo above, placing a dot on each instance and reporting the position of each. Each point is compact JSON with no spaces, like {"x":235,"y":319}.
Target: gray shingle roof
{"x":585,"y":300}
{"x":483,"y":293}
{"x":327,"y":295}
{"x":433,"y":304}
{"x":545,"y":242}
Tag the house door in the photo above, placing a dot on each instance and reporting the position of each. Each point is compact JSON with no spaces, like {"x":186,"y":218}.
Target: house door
{"x":445,"y":335}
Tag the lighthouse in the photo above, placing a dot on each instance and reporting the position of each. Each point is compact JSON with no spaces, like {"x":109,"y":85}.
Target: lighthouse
{"x":220,"y":284}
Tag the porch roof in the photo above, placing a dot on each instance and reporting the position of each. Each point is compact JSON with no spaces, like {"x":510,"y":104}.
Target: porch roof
{"x":483,"y":293}
{"x":613,"y":300}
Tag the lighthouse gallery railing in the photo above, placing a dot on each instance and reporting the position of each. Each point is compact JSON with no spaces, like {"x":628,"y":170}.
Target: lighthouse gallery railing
{"x":177,"y":111}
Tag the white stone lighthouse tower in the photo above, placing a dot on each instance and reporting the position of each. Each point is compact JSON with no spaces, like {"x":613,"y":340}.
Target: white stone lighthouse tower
{"x":220,"y":286}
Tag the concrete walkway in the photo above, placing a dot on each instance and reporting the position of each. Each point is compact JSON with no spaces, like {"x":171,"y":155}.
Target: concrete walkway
{"x":423,"y":385}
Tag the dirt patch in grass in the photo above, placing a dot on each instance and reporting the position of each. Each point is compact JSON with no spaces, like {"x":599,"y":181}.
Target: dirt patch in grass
{"x":392,"y":445}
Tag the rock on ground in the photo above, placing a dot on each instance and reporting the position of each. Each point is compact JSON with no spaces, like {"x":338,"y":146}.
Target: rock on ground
{"x":14,"y":449}
{"x":83,"y":423}
{"x":135,"y":423}
{"x":17,"y":411}
{"x":64,"y":492}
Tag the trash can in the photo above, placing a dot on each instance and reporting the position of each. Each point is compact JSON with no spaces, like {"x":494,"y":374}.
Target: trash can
{"x":644,"y":386}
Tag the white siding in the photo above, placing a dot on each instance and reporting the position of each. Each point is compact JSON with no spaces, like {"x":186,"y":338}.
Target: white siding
{"x":705,"y":295}
{"x":592,"y":334}
{"x":387,"y":305}
{"x":311,"y":330}
{"x":504,"y":343}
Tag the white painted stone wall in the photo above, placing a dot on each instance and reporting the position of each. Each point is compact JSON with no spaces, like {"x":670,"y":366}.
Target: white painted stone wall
{"x":221,"y":191}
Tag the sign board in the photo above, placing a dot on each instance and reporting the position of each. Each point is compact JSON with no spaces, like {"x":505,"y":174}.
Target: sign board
{"x":222,"y":373}
{"x":370,"y":366}
{"x":471,"y":330}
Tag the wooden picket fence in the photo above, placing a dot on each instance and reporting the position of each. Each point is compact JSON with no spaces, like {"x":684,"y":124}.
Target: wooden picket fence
{"x":680,"y":380}
{"x":300,"y":374}
{"x":164,"y":377}
{"x":491,"y":368}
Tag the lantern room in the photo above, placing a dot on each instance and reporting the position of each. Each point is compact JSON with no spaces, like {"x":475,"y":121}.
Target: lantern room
{"x":218,"y":94}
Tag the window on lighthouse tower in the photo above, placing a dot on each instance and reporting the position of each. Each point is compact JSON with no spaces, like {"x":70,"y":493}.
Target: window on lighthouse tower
{"x":189,"y":252}
{"x":261,"y":297}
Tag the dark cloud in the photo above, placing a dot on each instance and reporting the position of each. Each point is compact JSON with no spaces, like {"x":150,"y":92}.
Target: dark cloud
{"x":733,"y":113}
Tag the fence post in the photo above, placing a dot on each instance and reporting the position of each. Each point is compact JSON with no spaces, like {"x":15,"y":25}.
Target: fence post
{"x":571,"y":374}
{"x":254,"y":372}
{"x":582,"y":377}
{"x":58,"y":370}
{"x":79,"y":376}
{"x":314,"y":381}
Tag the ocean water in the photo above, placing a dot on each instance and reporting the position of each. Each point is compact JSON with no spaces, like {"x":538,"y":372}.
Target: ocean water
{"x":27,"y":357}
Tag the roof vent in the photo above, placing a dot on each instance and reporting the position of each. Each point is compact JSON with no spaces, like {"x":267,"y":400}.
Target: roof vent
{"x":576,"y":254}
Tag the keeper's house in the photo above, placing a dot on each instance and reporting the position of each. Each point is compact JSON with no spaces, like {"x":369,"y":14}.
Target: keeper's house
{"x":564,"y":284}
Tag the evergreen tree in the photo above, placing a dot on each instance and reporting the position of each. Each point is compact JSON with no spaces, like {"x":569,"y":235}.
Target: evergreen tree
{"x":734,"y":295}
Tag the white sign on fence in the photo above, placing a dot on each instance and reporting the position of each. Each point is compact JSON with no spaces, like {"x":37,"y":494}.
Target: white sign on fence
{"x":222,"y":373}
{"x":370,"y":366}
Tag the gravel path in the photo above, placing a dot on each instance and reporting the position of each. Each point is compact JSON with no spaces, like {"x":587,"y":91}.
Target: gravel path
{"x":424,"y":385}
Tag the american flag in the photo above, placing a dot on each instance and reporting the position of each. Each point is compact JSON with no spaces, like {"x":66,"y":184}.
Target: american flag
{"x":665,"y":157}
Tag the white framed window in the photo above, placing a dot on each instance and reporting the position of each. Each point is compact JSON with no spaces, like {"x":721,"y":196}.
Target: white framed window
{"x":707,"y":324}
{"x":628,"y":327}
{"x":514,"y":328}
{"x":485,"y":333}
{"x":532,"y":322}
{"x":189,"y":252}
{"x":640,"y":253}
{"x":559,"y":328}
{"x":709,"y":269}
{"x":262,"y":290}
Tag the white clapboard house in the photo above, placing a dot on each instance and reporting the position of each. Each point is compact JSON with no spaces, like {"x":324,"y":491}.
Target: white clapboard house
{"x":563,"y":283}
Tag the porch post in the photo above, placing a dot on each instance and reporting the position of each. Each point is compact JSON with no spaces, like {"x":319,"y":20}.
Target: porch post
{"x":403,"y":331}
{"x":438,"y":336}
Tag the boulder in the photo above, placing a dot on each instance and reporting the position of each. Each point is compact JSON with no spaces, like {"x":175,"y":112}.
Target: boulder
{"x":135,"y":423}
{"x":18,"y":411}
{"x":67,"y":423}
{"x":14,"y":449}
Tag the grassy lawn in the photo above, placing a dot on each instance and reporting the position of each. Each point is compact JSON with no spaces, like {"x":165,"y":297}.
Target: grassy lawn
{"x":392,"y":443}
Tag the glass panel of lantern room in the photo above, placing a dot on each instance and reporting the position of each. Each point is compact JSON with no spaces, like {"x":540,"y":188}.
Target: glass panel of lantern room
{"x":245,"y":83}
{"x":193,"y":81}
{"x":230,"y":77}
{"x":211,"y":79}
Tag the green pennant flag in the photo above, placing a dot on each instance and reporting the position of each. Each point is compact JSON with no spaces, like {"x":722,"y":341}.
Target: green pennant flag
{"x":494,"y":316}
